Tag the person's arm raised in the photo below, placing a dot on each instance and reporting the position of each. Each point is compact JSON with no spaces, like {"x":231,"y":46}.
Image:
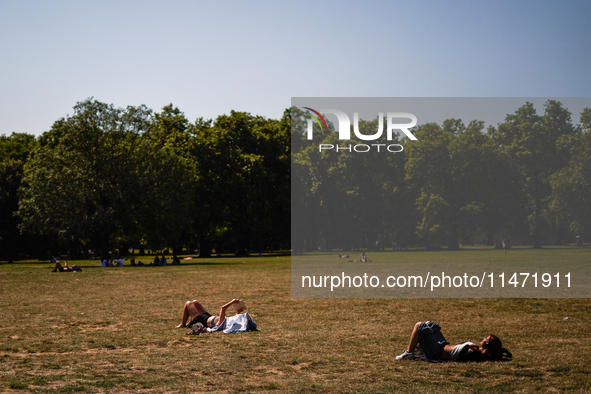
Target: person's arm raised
{"x":223,"y":310}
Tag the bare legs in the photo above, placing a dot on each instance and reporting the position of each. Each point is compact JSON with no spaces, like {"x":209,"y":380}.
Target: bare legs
{"x":414,"y":338}
{"x":192,"y":309}
{"x":408,"y":354}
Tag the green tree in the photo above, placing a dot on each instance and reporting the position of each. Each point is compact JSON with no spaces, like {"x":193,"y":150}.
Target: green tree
{"x":242,"y":192}
{"x":171,"y":128}
{"x":485,"y":185}
{"x":172,"y":131}
{"x":95,"y":177}
{"x":570,"y":201}
{"x":14,"y":153}
{"x":345,"y":199}
{"x":370,"y":191}
{"x":461,"y":182}
{"x":532,"y":142}
{"x":430,"y":172}
{"x":314,"y":190}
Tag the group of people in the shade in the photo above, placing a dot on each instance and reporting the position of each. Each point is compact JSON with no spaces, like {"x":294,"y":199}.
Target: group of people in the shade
{"x":159,"y":261}
{"x":164,"y":261}
{"x":108,"y":262}
{"x":118,"y":262}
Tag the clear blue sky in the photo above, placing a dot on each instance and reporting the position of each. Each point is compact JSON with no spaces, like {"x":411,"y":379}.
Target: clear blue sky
{"x":208,"y":57}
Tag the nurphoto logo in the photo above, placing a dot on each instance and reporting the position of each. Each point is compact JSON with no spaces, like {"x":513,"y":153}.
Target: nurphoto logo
{"x":345,"y":129}
{"x":345,"y":124}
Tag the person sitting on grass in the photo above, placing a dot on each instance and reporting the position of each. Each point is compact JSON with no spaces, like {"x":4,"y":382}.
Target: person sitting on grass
{"x":363,"y":257}
{"x":199,"y":314}
{"x":426,"y":338}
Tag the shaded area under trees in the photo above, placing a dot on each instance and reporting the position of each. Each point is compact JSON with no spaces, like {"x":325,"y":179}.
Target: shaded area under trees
{"x":526,"y":179}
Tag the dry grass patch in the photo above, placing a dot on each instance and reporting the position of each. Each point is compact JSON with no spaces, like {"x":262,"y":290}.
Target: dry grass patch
{"x":111,"y":330}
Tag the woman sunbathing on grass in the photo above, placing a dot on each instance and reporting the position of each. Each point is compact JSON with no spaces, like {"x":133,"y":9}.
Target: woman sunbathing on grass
{"x":64,"y":268}
{"x":427,"y":337}
{"x":198,"y":314}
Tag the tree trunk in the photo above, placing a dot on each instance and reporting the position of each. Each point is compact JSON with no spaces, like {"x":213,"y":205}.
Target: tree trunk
{"x":103,"y":246}
{"x":536,"y":230}
{"x":205,"y":248}
{"x":490,"y":238}
{"x":537,"y":207}
{"x":452,"y":239}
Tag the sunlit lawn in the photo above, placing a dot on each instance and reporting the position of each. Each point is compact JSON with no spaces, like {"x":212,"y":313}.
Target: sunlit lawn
{"x":112,"y":330}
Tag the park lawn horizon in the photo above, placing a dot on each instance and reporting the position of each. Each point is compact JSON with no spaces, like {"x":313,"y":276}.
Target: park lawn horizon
{"x":112,"y":330}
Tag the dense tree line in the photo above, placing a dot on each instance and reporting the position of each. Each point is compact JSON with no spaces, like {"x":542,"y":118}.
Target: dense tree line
{"x":528,"y":179}
{"x":108,"y":178}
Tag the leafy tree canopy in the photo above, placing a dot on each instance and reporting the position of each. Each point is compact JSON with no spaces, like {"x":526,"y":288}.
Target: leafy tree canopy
{"x":95,"y":177}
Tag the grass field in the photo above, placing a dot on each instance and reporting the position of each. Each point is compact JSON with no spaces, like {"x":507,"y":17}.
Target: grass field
{"x":112,"y":330}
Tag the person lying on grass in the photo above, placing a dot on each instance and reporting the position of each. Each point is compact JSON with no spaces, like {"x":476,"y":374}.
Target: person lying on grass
{"x":64,"y":268}
{"x":198,"y":314}
{"x":427,"y":337}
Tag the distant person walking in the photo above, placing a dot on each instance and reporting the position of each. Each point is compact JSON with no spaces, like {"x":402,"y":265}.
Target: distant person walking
{"x":504,"y":246}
